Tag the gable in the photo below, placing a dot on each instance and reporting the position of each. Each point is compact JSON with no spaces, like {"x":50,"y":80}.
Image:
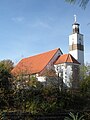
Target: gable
{"x":66,"y":58}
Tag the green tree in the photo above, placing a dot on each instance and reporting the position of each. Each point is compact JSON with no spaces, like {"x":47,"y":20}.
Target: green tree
{"x":27,"y":94}
{"x":82,"y":3}
{"x":85,"y":85}
{"x":5,"y":82}
{"x":8,"y":64}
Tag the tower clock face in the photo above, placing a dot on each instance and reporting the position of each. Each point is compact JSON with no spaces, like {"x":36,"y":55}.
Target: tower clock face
{"x":72,"y":39}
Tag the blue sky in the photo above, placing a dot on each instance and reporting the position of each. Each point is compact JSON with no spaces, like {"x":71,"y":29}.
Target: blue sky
{"x":29,"y":27}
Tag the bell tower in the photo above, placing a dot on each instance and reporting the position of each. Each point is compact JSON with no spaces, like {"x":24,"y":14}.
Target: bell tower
{"x":76,"y":45}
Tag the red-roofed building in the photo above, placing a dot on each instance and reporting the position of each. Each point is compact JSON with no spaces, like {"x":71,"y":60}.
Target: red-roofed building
{"x":38,"y":64}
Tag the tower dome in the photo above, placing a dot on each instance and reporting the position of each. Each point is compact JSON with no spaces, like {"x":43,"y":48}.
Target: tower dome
{"x":75,"y":26}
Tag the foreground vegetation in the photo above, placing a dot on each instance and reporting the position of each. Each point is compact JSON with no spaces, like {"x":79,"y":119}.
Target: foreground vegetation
{"x":35,"y":98}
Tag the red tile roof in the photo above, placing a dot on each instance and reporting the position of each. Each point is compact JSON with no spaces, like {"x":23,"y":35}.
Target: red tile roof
{"x":66,"y":58}
{"x":34,"y":64}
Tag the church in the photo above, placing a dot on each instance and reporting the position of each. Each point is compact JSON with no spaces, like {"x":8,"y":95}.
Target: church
{"x":66,"y":66}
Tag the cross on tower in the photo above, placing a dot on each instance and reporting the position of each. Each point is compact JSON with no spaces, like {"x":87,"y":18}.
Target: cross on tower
{"x":75,"y":18}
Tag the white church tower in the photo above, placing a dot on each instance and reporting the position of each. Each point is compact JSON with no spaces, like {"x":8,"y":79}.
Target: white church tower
{"x":76,"y":45}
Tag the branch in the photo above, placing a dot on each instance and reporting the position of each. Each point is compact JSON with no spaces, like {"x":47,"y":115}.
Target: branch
{"x":82,"y":3}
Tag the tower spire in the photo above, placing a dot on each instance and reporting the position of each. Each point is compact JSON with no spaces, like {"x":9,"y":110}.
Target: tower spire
{"x":75,"y":18}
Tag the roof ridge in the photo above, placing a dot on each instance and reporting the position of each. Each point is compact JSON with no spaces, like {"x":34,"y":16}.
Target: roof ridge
{"x":67,"y":57}
{"x":72,"y":58}
{"x":42,"y":53}
{"x":51,"y":57}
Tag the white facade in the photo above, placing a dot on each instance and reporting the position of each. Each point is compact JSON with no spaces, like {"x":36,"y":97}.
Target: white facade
{"x":68,"y":72}
{"x":65,"y":71}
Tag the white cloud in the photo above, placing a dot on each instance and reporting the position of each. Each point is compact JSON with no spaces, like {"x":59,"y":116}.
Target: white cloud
{"x":43,"y":24}
{"x":40,"y":24}
{"x":18,"y":19}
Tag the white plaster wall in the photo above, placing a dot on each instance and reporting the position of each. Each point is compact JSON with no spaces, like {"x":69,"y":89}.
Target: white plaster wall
{"x":78,"y":55}
{"x":76,"y":39}
{"x":73,"y":39}
{"x":74,"y":53}
{"x":66,"y":73}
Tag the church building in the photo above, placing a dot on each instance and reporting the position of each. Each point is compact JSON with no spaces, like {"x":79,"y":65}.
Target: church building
{"x":66,"y":66}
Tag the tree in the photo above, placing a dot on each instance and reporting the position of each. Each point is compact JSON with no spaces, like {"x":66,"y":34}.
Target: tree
{"x":85,"y":86}
{"x":5,"y":75}
{"x":27,"y":92}
{"x":5,"y":82}
{"x":82,"y":3}
{"x":84,"y":71}
{"x":8,"y":64}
